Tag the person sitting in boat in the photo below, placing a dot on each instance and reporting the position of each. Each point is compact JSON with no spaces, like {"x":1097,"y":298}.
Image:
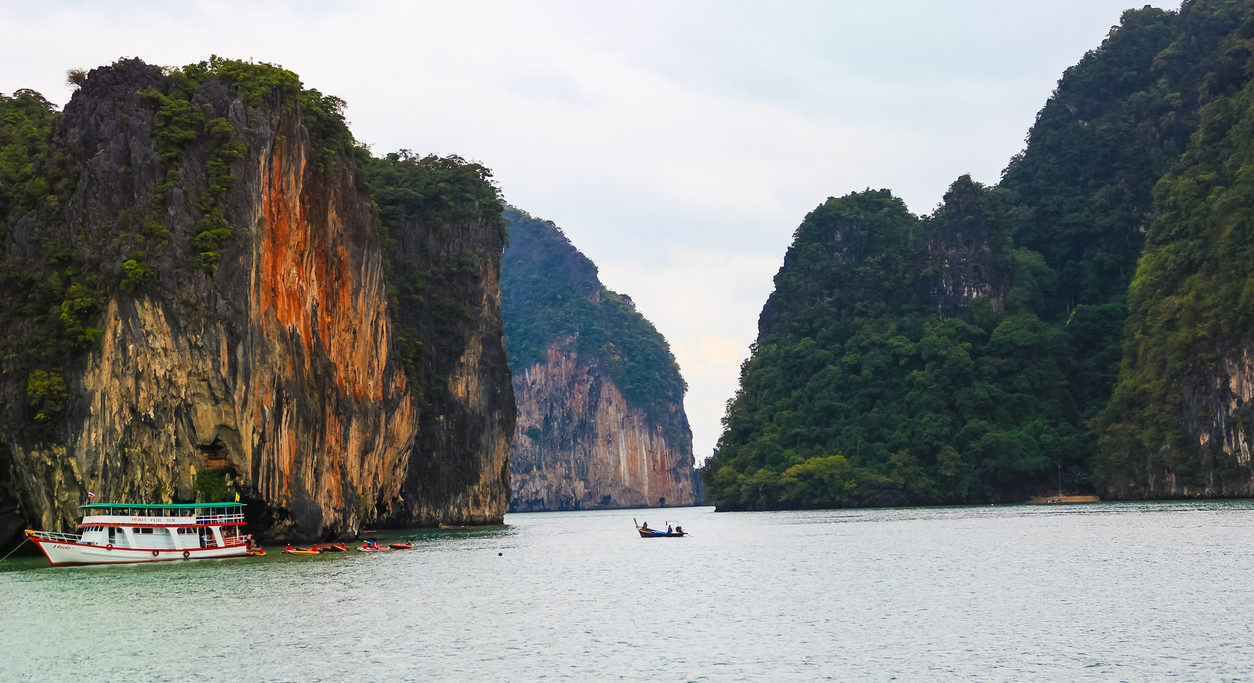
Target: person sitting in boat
{"x":668,"y":527}
{"x":679,"y":530}
{"x":288,"y":549}
{"x":645,"y":526}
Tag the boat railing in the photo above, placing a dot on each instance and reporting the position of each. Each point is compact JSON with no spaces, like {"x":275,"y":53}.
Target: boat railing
{"x":211,"y":542}
{"x":55,"y":536}
{"x":227,"y":518}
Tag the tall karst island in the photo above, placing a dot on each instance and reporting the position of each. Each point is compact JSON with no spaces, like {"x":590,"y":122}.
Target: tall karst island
{"x":601,"y":422}
{"x":1086,"y":325}
{"x":199,"y":299}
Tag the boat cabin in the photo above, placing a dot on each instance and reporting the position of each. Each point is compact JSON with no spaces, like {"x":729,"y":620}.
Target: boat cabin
{"x":162,"y":527}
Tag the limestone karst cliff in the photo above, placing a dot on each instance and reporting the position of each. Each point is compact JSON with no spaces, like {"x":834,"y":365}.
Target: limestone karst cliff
{"x":199,"y":307}
{"x":580,"y":445}
{"x":600,"y":411}
{"x":446,"y":237}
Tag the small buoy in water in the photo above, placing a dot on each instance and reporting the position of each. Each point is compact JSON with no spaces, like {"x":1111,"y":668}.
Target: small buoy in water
{"x":499,"y":554}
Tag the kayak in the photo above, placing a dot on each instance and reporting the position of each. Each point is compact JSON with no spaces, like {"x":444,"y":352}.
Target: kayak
{"x":299,"y":551}
{"x":256,"y":552}
{"x":333,"y":548}
{"x":372,"y":550}
{"x":401,"y":546}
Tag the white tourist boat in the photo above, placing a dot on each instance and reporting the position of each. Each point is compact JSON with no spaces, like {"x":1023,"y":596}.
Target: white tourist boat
{"x":112,"y":533}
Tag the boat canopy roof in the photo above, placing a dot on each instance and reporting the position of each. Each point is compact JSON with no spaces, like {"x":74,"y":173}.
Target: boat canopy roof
{"x":159,"y":506}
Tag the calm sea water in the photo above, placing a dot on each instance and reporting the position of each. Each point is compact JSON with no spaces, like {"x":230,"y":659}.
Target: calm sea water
{"x":1097,"y":592}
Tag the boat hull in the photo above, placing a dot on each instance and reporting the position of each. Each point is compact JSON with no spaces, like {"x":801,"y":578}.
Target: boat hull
{"x":63,"y":553}
{"x":659,"y":534}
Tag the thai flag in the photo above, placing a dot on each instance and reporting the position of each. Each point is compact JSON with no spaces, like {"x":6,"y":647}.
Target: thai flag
{"x":90,"y":494}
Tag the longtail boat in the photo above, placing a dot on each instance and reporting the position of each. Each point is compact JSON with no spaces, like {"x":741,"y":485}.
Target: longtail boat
{"x":646,"y":532}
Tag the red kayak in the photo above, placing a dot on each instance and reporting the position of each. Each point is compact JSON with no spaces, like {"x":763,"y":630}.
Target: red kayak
{"x":401,"y":546}
{"x":371,"y":547}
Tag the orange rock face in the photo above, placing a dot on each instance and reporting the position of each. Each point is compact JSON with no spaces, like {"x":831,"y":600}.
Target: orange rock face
{"x":317,"y":292}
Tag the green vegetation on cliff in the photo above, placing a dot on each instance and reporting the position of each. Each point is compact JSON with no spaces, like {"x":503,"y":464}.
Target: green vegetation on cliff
{"x":549,"y":291}
{"x":176,"y":161}
{"x":1191,"y":310}
{"x":25,"y":134}
{"x":966,"y":356}
{"x":857,"y":393}
{"x":47,"y":307}
{"x":417,"y":198}
{"x":443,"y":235}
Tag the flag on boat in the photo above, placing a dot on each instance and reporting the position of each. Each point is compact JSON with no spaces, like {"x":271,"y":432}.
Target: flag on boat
{"x":90,"y":494}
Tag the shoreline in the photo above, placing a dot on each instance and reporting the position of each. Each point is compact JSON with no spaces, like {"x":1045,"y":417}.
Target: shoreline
{"x":1056,"y":500}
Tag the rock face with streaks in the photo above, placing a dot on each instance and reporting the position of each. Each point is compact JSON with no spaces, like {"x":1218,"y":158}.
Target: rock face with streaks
{"x":580,"y":445}
{"x":215,"y":243}
{"x":600,"y":412}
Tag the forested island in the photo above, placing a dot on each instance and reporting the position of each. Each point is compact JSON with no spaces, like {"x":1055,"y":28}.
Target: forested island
{"x":1085,"y":324}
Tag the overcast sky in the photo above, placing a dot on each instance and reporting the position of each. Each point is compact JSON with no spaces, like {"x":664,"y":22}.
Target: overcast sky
{"x":677,"y":143}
